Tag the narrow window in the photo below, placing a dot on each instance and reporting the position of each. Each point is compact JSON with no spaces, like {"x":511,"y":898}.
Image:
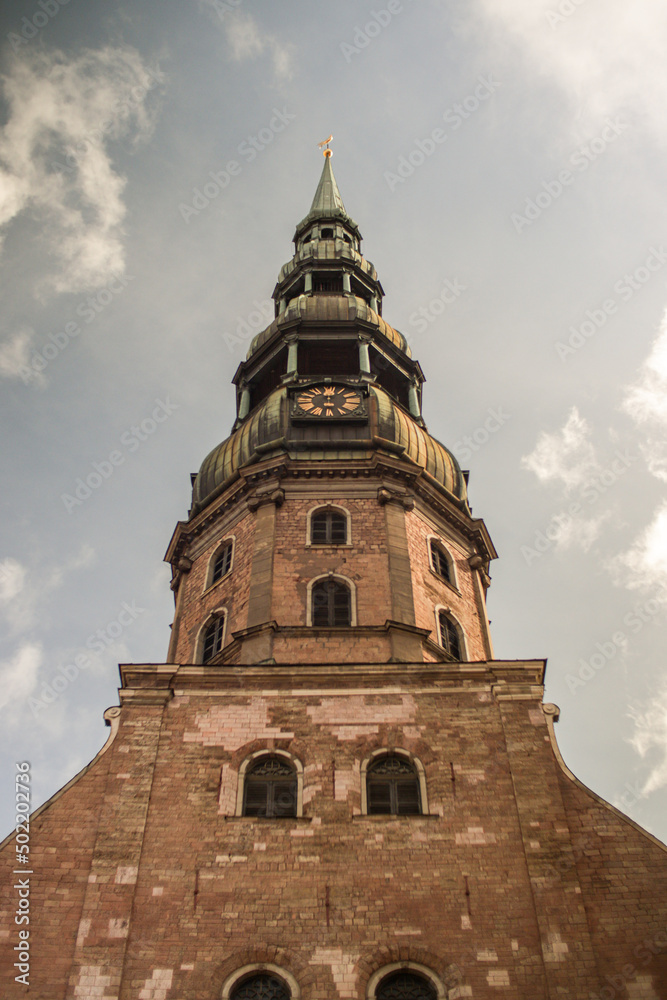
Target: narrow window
{"x":440,"y":562}
{"x":392,"y":787}
{"x":261,"y":986}
{"x":405,"y":985}
{"x":222,"y":563}
{"x":328,"y":527}
{"x":449,"y":635}
{"x":331,"y":604}
{"x":270,"y":789}
{"x":327,"y":234}
{"x":213,"y":638}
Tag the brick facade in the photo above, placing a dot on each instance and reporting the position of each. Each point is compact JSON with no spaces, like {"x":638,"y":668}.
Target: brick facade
{"x":517,"y":882}
{"x":152,"y":878}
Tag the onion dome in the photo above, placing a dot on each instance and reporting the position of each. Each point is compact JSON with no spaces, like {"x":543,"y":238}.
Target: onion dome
{"x":267,"y":432}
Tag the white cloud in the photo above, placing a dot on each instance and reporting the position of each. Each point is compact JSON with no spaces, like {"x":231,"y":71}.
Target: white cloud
{"x":579,"y":532}
{"x":18,"y":676}
{"x":646,"y":402}
{"x":607,"y":57}
{"x":566,"y":455}
{"x":644,"y":565}
{"x":15,"y":356}
{"x":244,"y":37}
{"x":246,"y":41}
{"x":20,"y":596}
{"x":12,"y":580}
{"x":54,"y":163}
{"x":650,"y":736}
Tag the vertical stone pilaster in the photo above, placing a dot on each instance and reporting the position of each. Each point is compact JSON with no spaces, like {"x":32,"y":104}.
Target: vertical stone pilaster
{"x":261,"y":573}
{"x":400,"y":571}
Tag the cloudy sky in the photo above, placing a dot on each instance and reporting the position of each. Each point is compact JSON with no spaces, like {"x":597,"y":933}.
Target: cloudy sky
{"x":505,"y":160}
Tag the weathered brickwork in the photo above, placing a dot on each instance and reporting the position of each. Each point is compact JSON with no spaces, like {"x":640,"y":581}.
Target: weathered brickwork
{"x":385,"y":563}
{"x":516,"y":883}
{"x":431,"y":591}
{"x":364,"y":561}
{"x":198,"y":601}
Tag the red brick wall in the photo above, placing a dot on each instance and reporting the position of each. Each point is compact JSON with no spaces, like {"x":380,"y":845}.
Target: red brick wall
{"x":430,"y":591}
{"x":468,"y":890}
{"x":364,"y":562}
{"x":231,"y":592}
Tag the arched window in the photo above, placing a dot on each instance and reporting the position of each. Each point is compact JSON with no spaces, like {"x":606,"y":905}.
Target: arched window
{"x":405,"y":985}
{"x":260,"y":986}
{"x":449,"y":635}
{"x":392,"y":787}
{"x":222,"y":563}
{"x":328,"y":527}
{"x":213,"y":637}
{"x":331,"y":604}
{"x":440,"y":562}
{"x":270,"y":788}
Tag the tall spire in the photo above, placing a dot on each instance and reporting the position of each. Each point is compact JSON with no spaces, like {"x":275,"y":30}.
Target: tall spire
{"x":327,"y":200}
{"x":328,"y":206}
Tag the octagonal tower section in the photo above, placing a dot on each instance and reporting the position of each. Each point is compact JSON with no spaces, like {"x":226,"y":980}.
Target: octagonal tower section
{"x":330,"y":526}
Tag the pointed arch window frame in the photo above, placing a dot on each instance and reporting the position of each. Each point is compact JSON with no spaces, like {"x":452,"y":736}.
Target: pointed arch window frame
{"x":411,"y":759}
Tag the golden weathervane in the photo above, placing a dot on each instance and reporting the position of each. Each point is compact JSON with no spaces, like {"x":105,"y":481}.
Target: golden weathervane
{"x":325,"y":142}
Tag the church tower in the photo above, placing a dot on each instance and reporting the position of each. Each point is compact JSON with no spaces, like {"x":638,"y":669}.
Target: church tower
{"x":332,"y":789}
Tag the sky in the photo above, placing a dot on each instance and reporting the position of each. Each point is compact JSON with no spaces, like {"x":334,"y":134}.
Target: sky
{"x":505,"y":160}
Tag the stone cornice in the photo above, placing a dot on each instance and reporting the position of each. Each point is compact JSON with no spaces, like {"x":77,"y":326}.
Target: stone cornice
{"x":150,"y":683}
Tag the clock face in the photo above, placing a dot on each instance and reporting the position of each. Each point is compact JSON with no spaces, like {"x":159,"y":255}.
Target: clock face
{"x":328,"y":401}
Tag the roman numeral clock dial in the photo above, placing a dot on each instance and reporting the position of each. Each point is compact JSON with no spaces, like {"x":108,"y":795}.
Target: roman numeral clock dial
{"x":329,"y":401}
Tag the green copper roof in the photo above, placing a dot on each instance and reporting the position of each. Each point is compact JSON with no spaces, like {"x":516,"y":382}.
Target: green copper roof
{"x":267,"y":431}
{"x":327,"y":200}
{"x":327,"y":203}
